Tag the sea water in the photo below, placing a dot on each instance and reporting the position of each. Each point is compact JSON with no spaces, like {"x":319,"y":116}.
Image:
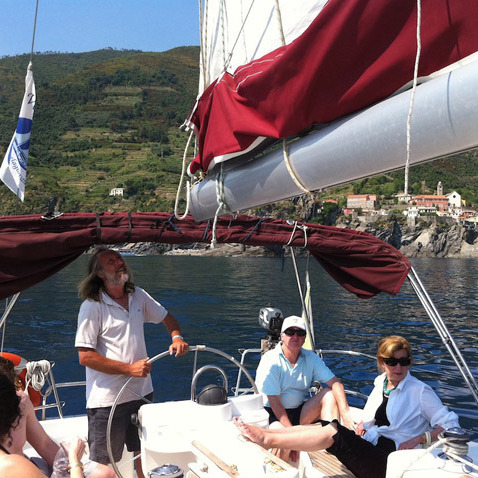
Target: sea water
{"x":217,"y":301}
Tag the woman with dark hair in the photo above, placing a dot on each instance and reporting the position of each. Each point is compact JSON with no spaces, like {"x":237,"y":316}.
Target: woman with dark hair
{"x":401,"y":413}
{"x":14,"y":465}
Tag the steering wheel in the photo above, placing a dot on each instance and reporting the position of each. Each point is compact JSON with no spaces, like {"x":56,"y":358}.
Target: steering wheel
{"x":196,"y":349}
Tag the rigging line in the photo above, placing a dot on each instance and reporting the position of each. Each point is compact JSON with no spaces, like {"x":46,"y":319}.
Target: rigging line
{"x":203,"y":40}
{"x":180,"y":185}
{"x":412,"y":97}
{"x":237,"y":37}
{"x":8,"y":307}
{"x":223,"y":37}
{"x":221,"y":202}
{"x":301,"y":294}
{"x":243,"y":36}
{"x":279,"y":21}
{"x":34,"y":31}
{"x":290,"y":169}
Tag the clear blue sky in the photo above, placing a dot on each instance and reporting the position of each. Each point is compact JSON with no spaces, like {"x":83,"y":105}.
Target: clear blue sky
{"x":87,"y":25}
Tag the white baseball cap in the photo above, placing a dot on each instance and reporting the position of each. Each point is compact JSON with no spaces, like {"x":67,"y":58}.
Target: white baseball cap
{"x":293,"y":321}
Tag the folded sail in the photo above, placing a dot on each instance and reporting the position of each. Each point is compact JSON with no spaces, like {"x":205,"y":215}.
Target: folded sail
{"x":13,"y":171}
{"x":352,"y":55}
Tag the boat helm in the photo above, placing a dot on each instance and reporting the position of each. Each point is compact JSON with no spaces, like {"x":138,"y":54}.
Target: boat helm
{"x":169,"y":471}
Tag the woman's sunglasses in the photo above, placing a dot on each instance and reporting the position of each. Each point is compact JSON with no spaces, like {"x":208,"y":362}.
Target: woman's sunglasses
{"x":291,"y":332}
{"x":392,"y":361}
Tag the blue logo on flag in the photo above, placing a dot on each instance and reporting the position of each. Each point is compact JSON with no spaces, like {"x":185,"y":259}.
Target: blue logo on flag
{"x":21,"y":143}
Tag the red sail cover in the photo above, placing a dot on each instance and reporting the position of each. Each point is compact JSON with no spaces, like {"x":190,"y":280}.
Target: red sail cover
{"x":354,"y":54}
{"x":33,"y":248}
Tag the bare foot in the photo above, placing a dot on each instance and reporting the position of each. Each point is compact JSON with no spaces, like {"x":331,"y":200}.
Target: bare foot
{"x":255,"y":434}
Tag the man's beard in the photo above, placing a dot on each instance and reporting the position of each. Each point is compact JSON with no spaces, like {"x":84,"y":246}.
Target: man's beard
{"x":117,"y":279}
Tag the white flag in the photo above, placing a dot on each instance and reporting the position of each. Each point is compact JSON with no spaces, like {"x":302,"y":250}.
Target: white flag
{"x":13,"y":171}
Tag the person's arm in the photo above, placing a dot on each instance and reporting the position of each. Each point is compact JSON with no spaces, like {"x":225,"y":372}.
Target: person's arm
{"x":76,"y":449}
{"x":178,"y":345}
{"x":91,"y":358}
{"x":339,"y":394}
{"x":279,"y":410}
{"x":36,"y":435}
{"x":17,"y":465}
{"x":420,"y":440}
{"x":438,"y":415}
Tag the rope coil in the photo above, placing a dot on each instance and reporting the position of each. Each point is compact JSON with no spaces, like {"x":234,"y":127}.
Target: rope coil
{"x":36,"y":374}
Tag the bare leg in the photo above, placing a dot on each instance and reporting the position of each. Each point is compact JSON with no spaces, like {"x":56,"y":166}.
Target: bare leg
{"x":306,"y":438}
{"x":103,"y":471}
{"x":322,"y":405}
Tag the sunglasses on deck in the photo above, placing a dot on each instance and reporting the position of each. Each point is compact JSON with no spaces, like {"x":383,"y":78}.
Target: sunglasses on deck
{"x":392,"y":361}
{"x":291,"y":332}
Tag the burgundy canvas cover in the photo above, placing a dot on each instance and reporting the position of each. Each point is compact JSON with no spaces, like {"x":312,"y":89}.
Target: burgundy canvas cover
{"x":354,"y":54}
{"x":33,"y":248}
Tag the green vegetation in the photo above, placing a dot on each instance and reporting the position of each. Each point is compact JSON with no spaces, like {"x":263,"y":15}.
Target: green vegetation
{"x":111,"y":118}
{"x":103,"y":119}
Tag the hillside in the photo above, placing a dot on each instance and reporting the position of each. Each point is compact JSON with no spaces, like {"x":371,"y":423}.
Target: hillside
{"x":103,"y":119}
{"x":111,"y":118}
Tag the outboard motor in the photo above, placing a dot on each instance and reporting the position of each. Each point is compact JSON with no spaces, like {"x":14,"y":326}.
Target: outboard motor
{"x":270,"y":318}
{"x":168,"y":471}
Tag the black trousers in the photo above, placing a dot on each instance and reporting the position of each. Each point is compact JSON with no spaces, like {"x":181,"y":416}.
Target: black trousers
{"x":361,"y":457}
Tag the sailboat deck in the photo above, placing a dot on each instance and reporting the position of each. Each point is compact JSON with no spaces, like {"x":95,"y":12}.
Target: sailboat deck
{"x":329,"y":465}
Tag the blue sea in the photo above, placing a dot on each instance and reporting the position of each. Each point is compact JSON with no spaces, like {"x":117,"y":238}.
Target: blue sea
{"x":217,"y":301}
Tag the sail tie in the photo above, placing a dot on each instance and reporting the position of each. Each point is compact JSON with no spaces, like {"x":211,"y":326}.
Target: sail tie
{"x":303,"y":227}
{"x":290,"y":169}
{"x":180,"y":185}
{"x":36,"y":374}
{"x":412,"y":97}
{"x":221,"y":201}
{"x":258,"y":223}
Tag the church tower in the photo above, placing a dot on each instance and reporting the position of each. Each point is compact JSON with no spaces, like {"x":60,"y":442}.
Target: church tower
{"x":439,"y":189}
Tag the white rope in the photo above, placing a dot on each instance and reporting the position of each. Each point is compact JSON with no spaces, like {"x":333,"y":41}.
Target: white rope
{"x":302,"y":227}
{"x":429,"y":449}
{"x":221,"y":201}
{"x":226,"y":64}
{"x":279,"y":22}
{"x":441,"y":441}
{"x":461,"y":460}
{"x":291,"y":171}
{"x":36,"y":374}
{"x":412,"y":97}
{"x":188,"y":184}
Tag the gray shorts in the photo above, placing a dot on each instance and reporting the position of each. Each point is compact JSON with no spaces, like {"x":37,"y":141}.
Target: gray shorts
{"x":122,"y":430}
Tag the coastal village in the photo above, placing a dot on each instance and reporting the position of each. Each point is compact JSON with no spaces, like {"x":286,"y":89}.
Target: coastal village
{"x":450,"y":206}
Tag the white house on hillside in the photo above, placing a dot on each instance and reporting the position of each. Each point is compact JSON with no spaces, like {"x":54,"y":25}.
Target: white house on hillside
{"x":454,"y":204}
{"x":117,"y":192}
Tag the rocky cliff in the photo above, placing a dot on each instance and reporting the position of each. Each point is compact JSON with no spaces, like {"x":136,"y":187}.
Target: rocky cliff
{"x":426,"y":239}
